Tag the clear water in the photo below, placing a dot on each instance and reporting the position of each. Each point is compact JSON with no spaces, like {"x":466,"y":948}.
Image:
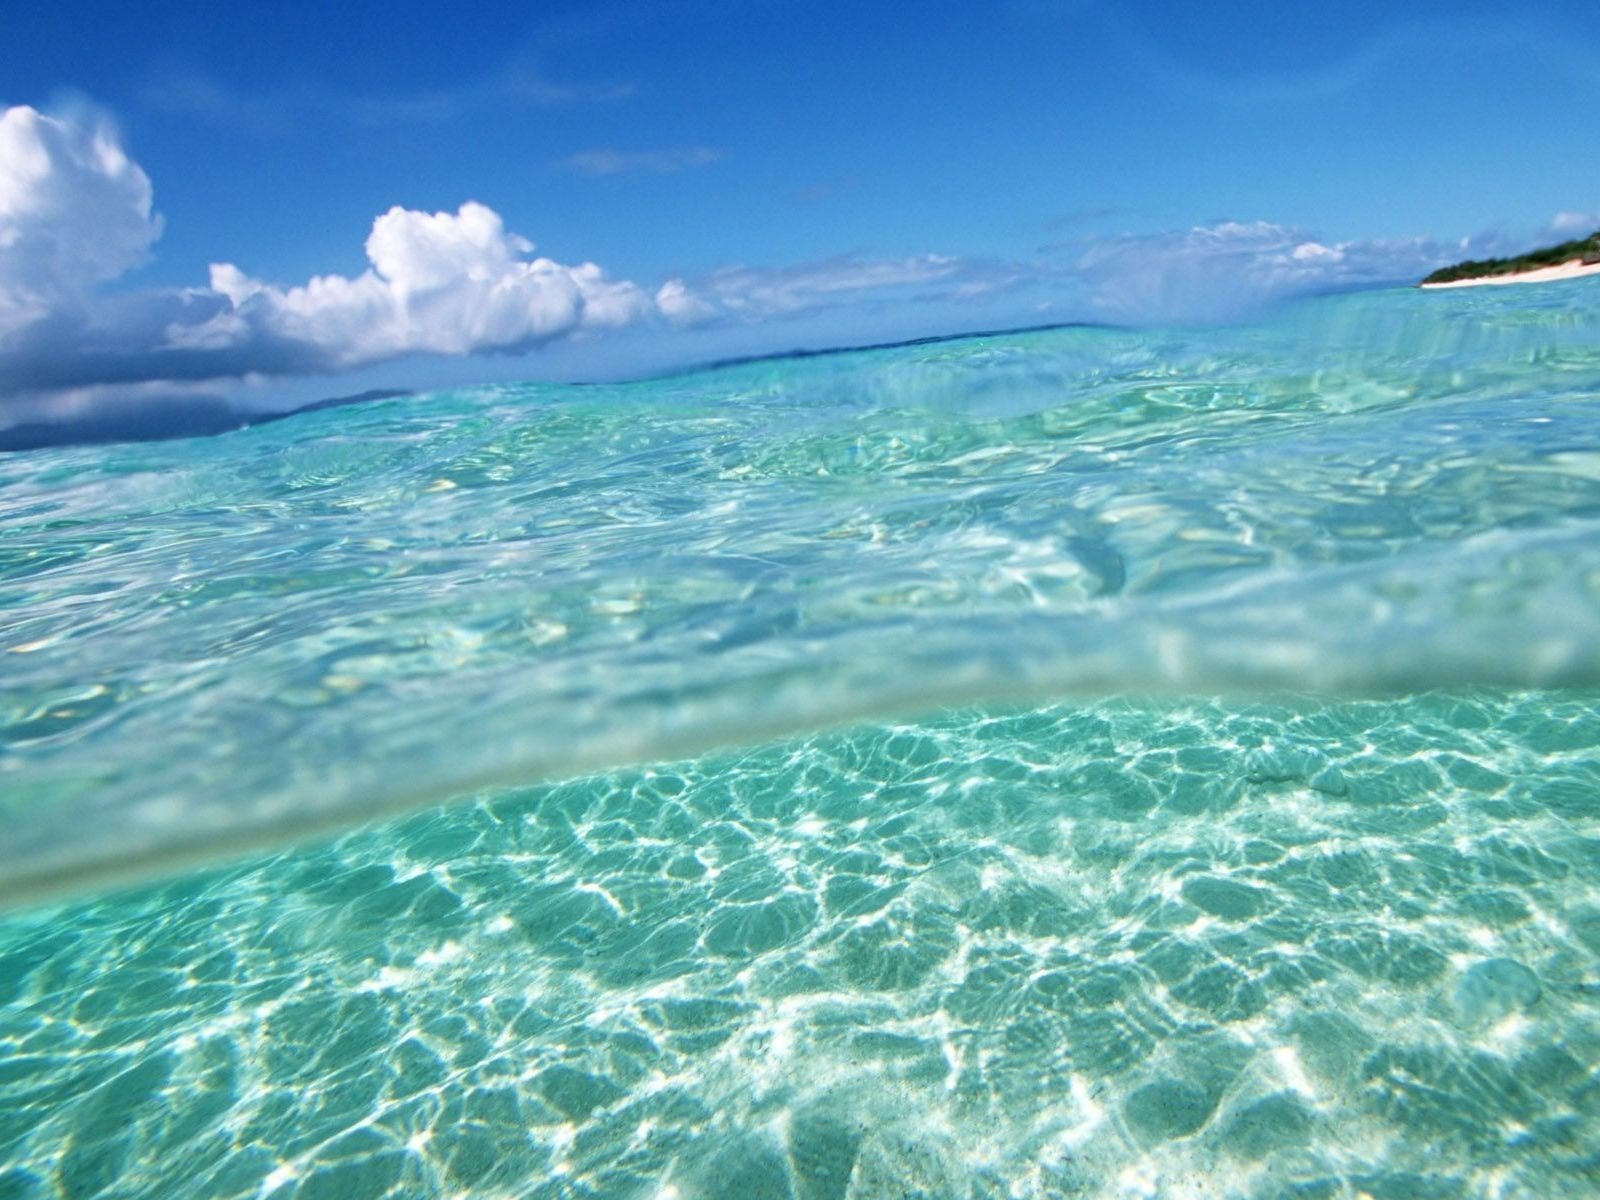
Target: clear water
{"x":1087,"y":762}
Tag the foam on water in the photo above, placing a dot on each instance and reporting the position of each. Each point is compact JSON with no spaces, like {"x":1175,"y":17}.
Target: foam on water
{"x":1043,"y":942}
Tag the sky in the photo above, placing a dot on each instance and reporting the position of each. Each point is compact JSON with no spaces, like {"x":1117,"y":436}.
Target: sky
{"x":261,"y":205}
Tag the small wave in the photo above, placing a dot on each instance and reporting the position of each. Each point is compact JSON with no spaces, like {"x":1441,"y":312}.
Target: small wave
{"x":221,"y":644}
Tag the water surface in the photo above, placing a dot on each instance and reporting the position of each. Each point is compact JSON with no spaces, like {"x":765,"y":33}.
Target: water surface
{"x":1079,"y":762}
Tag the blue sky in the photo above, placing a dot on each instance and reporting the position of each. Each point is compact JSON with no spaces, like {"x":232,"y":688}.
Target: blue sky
{"x":802,"y":174}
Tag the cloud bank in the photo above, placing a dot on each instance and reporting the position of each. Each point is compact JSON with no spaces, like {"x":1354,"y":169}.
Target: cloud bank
{"x":75,"y":211}
{"x":1227,"y":268}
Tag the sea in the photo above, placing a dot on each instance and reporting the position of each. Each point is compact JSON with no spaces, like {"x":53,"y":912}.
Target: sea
{"x":1082,"y":761}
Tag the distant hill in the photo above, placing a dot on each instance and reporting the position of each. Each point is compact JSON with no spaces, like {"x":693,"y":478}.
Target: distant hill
{"x":1586,"y":250}
{"x":162,"y":420}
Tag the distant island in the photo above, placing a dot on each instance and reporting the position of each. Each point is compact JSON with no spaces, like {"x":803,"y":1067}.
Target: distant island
{"x":1580,"y":257}
{"x":163,"y":420}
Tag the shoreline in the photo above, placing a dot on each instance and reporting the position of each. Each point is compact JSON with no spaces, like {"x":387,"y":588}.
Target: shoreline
{"x":1571,"y":269}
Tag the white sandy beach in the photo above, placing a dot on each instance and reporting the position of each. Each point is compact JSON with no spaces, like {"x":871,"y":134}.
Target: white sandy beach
{"x":1567,"y":270}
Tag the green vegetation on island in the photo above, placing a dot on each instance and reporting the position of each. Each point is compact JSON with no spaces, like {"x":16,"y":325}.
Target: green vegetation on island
{"x":1587,"y":250}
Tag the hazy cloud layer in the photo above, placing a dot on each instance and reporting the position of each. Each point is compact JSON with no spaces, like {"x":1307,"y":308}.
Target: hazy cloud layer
{"x":283,"y":109}
{"x":1206,"y":273}
{"x":655,"y":162}
{"x":762,"y":292}
{"x":1574,"y":225}
{"x":1221,"y":270}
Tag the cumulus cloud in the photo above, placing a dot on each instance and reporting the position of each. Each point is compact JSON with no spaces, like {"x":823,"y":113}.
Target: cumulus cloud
{"x":74,"y":211}
{"x":440,"y":283}
{"x":657,"y":162}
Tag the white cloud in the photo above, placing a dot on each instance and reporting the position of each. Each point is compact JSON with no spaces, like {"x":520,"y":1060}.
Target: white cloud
{"x":74,"y":211}
{"x":440,"y":283}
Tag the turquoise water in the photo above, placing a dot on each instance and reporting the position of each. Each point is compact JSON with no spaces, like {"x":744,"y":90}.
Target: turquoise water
{"x":1082,"y":762}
